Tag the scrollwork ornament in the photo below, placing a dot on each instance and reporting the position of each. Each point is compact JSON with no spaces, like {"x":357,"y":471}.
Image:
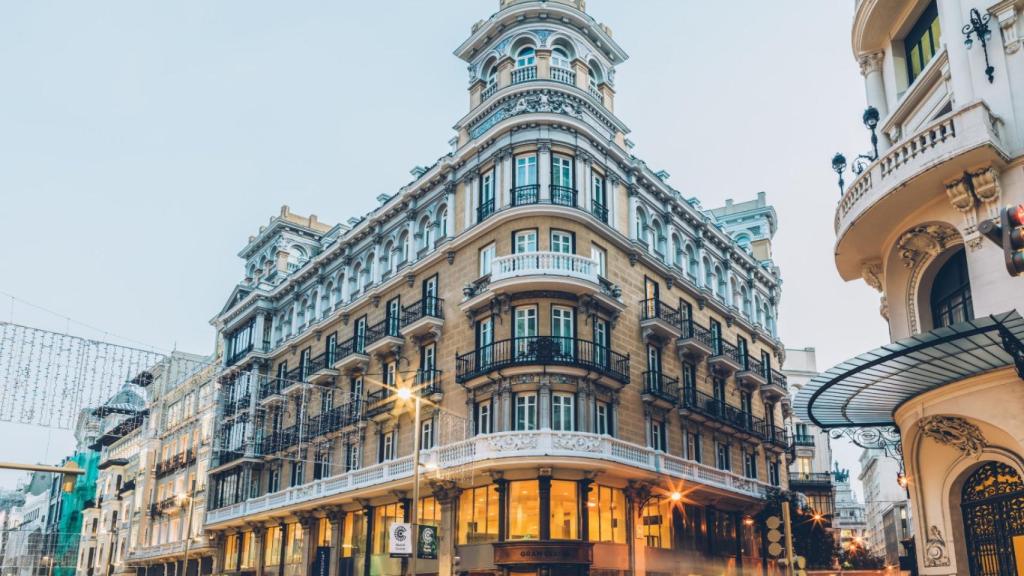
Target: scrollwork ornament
{"x":935,"y":549}
{"x":886,"y":438}
{"x":955,"y":432}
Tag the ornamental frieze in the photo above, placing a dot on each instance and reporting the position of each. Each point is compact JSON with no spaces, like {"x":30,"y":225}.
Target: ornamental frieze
{"x":955,"y":432}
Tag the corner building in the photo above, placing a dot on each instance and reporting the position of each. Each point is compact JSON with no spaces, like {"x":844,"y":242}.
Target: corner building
{"x":947,"y":80}
{"x":587,"y":344}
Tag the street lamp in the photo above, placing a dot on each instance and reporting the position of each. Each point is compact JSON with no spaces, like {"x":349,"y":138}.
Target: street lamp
{"x":839,"y":166}
{"x":870,"y":119}
{"x":978,"y":26}
{"x":406,"y":393}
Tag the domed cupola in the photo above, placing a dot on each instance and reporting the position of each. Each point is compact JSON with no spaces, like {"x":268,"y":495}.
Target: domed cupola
{"x":540,"y":55}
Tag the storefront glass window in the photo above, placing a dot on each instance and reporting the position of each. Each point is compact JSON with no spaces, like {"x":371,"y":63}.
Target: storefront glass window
{"x":656,"y":523}
{"x":607,"y":509}
{"x":383,"y":518}
{"x":478,"y":515}
{"x":272,"y":546}
{"x":564,"y":510}
{"x":523,"y":510}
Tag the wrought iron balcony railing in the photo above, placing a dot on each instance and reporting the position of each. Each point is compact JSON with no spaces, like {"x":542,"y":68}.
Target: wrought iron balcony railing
{"x":543,"y":350}
{"x":428,"y":307}
{"x":657,"y":384}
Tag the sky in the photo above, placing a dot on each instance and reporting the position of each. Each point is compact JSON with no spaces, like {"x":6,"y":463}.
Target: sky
{"x":142,"y":143}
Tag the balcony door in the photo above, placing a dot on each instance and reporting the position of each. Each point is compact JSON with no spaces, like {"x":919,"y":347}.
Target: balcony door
{"x":394,"y":313}
{"x":525,"y":327}
{"x":716,"y":337}
{"x":360,"y":335}
{"x":525,"y":188}
{"x":562,"y":192}
{"x":653,"y":367}
{"x":563,"y":331}
{"x":652,"y":295}
{"x":484,"y":341}
{"x":601,"y":342}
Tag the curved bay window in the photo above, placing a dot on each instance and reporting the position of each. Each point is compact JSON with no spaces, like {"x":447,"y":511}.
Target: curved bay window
{"x":564,"y":510}
{"x":951,"y":292}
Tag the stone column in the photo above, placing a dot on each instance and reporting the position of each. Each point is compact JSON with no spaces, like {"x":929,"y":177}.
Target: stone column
{"x":502,"y":488}
{"x":582,"y":177}
{"x":449,"y":199}
{"x":874,"y":88}
{"x":583,"y":409}
{"x":505,"y":71}
{"x":337,"y":518}
{"x":447,"y":494}
{"x":544,"y":491}
{"x":701,"y":272}
{"x":543,"y":63}
{"x":582,"y":74}
{"x":410,"y":225}
{"x":310,"y":526}
{"x":964,"y":66}
{"x":544,"y":170}
{"x":506,"y":409}
{"x":584,"y":494}
{"x":259,"y":535}
{"x":544,"y":406}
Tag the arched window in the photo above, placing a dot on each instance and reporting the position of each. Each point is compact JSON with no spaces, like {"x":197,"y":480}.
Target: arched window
{"x":746,"y":301}
{"x":677,"y":257}
{"x":353,"y":281}
{"x":385,"y":258}
{"x":491,"y":74}
{"x":327,"y":300}
{"x":526,"y":56}
{"x":658,"y":239}
{"x":641,"y":225}
{"x":251,"y":272}
{"x":442,"y":223}
{"x":594,"y":76}
{"x":744,"y":241}
{"x":426,"y":234}
{"x":721,"y":283}
{"x":560,"y":57}
{"x":709,"y":275}
{"x":368,"y":271}
{"x":737,"y":300}
{"x":300,"y":317}
{"x":950,"y":295}
{"x":311,"y":309}
{"x":336,"y":293}
{"x":403,"y":248}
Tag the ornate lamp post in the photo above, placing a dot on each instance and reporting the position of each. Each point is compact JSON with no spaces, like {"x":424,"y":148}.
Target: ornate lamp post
{"x":870,"y":119}
{"x":979,"y":27}
{"x":839,"y":166}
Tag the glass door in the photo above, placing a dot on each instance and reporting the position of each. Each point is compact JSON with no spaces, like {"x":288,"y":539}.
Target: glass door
{"x":525,"y":331}
{"x":563,"y":331}
{"x":484,"y":341}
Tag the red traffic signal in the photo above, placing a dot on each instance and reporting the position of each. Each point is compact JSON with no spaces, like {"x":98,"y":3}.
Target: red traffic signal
{"x":1009,"y":234}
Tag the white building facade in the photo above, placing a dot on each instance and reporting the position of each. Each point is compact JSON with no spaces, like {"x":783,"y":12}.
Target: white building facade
{"x":944,"y":80}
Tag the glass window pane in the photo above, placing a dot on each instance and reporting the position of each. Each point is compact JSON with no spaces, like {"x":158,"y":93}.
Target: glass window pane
{"x":523,"y":510}
{"x":564,"y":510}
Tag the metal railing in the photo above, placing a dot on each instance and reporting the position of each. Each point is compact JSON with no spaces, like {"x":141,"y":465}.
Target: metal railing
{"x":386,"y":328}
{"x":723,"y":412}
{"x":691,"y":329}
{"x":563,"y":195}
{"x":803,"y":439}
{"x":335,"y":419}
{"x":657,"y":384}
{"x":541,"y":350}
{"x":528,"y":194}
{"x":484,"y":210}
{"x":810,"y":477}
{"x":524,"y":74}
{"x":652,"y":309}
{"x":599,"y":210}
{"x":428,"y":307}
{"x":271,"y":387}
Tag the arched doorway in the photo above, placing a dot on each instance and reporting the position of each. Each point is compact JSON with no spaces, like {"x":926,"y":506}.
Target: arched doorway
{"x":992,"y":503}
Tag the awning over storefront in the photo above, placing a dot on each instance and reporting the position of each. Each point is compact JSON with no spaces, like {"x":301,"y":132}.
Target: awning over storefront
{"x":866,"y":390}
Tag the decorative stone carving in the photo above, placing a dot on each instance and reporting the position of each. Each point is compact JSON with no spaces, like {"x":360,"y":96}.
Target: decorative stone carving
{"x":953,"y":431}
{"x":871,"y":62}
{"x":960,"y":196}
{"x":1007,"y":18}
{"x":986,"y":185}
{"x":883,"y":307}
{"x":576,"y":443}
{"x":873,"y":275}
{"x":512,"y":443}
{"x":935,"y":549}
{"x":923,"y":241}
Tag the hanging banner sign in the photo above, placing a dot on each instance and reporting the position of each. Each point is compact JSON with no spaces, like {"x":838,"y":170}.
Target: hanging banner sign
{"x":426,"y":547}
{"x":400,"y":540}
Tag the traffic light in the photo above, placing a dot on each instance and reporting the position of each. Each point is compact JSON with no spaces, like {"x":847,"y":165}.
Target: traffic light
{"x":68,"y":479}
{"x":1008,"y":233}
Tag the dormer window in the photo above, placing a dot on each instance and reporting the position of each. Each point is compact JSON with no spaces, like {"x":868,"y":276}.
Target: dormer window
{"x":923,"y":42}
{"x":527,"y":56}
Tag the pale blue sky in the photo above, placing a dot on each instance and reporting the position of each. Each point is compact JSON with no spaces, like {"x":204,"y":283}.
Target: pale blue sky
{"x":142,"y":142}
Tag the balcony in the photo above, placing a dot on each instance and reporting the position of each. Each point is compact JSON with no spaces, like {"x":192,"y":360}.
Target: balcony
{"x":524,"y":74}
{"x":599,"y":210}
{"x":778,"y":439}
{"x":280,"y":440}
{"x":752,"y":374}
{"x":488,"y":91}
{"x":501,"y":447}
{"x":335,"y":419}
{"x":321,"y":368}
{"x":803,"y":439}
{"x":694,"y":342}
{"x":716,"y":413}
{"x":910,"y":175}
{"x":525,"y":195}
{"x":659,"y":321}
{"x":484,"y":210}
{"x":660,"y":390}
{"x":776,"y":388}
{"x":270,"y":391}
{"x":725,"y":358}
{"x":563,"y":196}
{"x":570,"y":356}
{"x":563,"y":75}
{"x":384,"y":337}
{"x":810,"y":480}
{"x":423,"y":319}
{"x":351,"y":355}
{"x":379,"y":403}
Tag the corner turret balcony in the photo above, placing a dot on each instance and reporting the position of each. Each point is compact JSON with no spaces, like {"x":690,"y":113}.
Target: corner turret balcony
{"x":659,"y":321}
{"x":911,"y":174}
{"x":752,"y":374}
{"x":524,"y":74}
{"x":555,"y":271}
{"x":660,"y":390}
{"x":776,"y":388}
{"x":725,"y":358}
{"x":549,"y":354}
{"x":694,"y":342}
{"x":563,"y":75}
{"x":424,"y":318}
{"x":384,"y":337}
{"x":351,"y":355}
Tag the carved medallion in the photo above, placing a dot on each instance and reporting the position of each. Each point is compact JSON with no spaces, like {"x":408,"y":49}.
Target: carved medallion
{"x":953,"y":431}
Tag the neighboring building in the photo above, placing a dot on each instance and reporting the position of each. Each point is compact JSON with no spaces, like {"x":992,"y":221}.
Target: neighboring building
{"x":810,"y":471}
{"x":751,"y":224}
{"x":105,"y":532}
{"x":951,"y":152}
{"x":896,"y":525}
{"x":26,"y":530}
{"x":173,"y":483}
{"x":848,"y":523}
{"x":604,"y":346}
{"x":64,"y":529}
{"x":882,"y":493}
